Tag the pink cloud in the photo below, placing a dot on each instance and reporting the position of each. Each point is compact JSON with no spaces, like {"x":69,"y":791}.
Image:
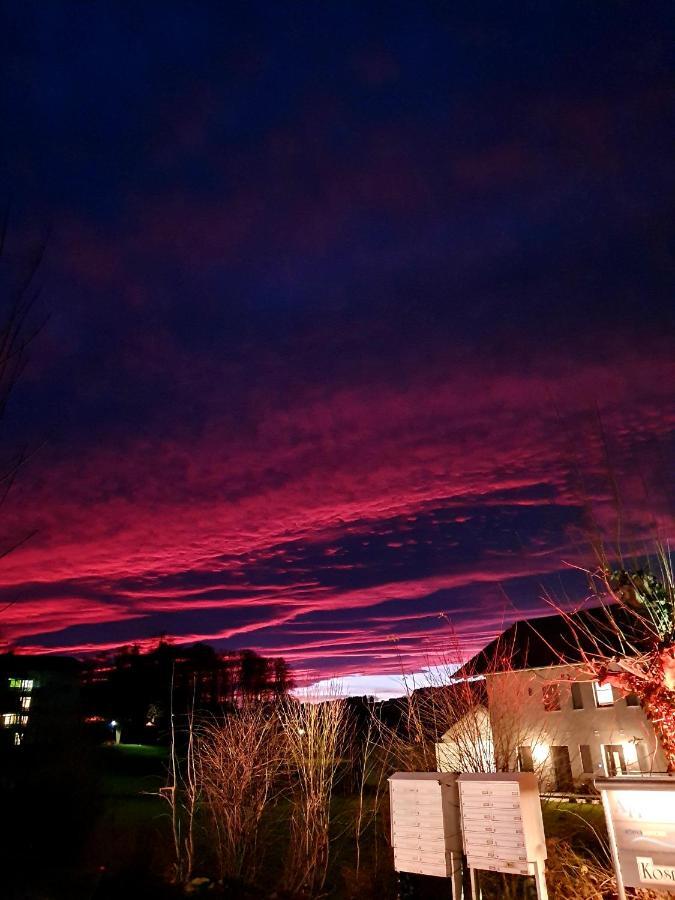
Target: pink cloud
{"x":219,"y":503}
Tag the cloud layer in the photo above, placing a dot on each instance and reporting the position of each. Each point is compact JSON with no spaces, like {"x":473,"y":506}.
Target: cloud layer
{"x":355,"y":325}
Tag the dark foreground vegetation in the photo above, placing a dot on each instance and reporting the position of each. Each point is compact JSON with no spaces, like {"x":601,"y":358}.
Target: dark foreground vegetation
{"x":92,"y":826}
{"x":263,"y":796}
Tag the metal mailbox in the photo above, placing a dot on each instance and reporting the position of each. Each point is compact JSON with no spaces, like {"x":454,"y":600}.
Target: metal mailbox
{"x":640,"y":813}
{"x":425,"y":826}
{"x":502,"y":825}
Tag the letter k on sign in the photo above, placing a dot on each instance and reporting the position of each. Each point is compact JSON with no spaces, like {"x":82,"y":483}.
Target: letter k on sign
{"x":651,"y":874}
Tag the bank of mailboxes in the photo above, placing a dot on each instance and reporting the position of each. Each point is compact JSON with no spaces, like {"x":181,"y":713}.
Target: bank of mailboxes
{"x":425,"y":823}
{"x":502,"y":826}
{"x":495,"y":818}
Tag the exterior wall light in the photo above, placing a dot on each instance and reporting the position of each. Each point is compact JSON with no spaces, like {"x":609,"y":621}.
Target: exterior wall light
{"x":540,"y":753}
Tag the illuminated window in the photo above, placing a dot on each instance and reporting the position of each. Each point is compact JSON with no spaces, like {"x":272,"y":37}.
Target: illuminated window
{"x":25,"y":702}
{"x":17,"y":738}
{"x":21,"y":684}
{"x":551,"y":695}
{"x":9,"y":719}
{"x":603,"y":694}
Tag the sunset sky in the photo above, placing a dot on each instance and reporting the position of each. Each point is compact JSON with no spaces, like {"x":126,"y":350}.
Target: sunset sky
{"x":347,"y":307}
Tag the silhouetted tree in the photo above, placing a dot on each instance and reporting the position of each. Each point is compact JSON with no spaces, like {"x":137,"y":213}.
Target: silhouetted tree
{"x":283,"y":680}
{"x":254,"y":675}
{"x":137,"y":689}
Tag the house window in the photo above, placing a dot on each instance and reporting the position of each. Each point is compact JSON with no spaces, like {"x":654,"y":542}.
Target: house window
{"x":562,"y":768}
{"x":603,"y":694}
{"x":525,"y":761}
{"x":9,"y":719}
{"x":632,"y":700}
{"x":25,"y":702}
{"x":586,"y":759}
{"x":577,"y":696}
{"x":17,"y":738}
{"x":551,"y":694}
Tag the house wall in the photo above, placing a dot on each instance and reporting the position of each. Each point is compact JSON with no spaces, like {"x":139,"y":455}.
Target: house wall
{"x":518,"y":718}
{"x":467,"y":745}
{"x":619,"y":725}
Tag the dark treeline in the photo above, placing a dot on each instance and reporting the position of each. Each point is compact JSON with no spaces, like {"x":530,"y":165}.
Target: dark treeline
{"x":137,"y":690}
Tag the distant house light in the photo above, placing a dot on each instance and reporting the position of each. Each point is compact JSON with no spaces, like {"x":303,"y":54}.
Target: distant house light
{"x":25,"y":702}
{"x":21,"y":684}
{"x":18,"y":737}
{"x":9,"y":719}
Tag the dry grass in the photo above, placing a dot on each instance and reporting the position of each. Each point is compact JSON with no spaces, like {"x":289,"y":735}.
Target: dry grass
{"x":313,"y":739}
{"x":239,"y":759}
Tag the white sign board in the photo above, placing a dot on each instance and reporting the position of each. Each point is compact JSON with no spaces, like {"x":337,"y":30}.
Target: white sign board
{"x":425,"y":831}
{"x":502,"y":826}
{"x":640,"y":813}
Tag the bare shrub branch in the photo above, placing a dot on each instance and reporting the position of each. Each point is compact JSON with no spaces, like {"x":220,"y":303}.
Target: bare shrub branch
{"x":239,"y":758}
{"x":314,"y":735}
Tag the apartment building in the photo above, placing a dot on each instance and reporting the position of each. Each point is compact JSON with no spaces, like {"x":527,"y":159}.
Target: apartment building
{"x":39,"y":698}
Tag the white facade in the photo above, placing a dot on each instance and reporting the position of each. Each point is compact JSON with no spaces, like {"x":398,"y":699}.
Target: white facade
{"x":558,"y":723}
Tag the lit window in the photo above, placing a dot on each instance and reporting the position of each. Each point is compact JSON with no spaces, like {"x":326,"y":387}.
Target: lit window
{"x":21,"y":684}
{"x":551,"y":694}
{"x":25,"y":702}
{"x":17,"y":738}
{"x":603,"y":693}
{"x":9,"y":719}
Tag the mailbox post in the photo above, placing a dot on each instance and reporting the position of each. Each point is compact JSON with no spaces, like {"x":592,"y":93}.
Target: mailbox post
{"x":425,"y":830}
{"x":640,"y":813}
{"x":502,"y":825}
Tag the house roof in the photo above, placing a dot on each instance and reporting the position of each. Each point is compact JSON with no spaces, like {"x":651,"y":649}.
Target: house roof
{"x":556,"y":640}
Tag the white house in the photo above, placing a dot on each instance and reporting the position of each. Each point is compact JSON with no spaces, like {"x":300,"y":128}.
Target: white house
{"x":541,"y":711}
